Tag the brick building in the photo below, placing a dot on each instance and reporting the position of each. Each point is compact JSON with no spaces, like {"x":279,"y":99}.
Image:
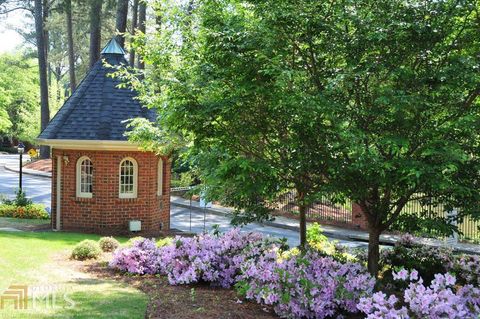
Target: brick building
{"x":101,"y":182}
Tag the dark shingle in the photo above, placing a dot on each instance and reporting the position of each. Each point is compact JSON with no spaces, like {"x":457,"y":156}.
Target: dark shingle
{"x":97,"y":108}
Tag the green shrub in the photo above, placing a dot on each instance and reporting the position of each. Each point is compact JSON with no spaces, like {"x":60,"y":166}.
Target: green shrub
{"x":20,"y":199}
{"x":86,"y":249}
{"x":32,"y":211}
{"x":409,"y":254}
{"x":319,"y":242}
{"x":108,"y":244}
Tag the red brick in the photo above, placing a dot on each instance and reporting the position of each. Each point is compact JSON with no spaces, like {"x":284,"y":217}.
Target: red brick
{"x":105,"y":213}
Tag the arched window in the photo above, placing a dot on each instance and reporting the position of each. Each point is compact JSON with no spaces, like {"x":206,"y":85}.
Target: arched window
{"x":160,"y":177}
{"x":128,"y":178}
{"x":84,"y":177}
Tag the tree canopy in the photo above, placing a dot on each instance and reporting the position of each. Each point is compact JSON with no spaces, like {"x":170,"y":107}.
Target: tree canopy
{"x":19,"y":109}
{"x":376,"y":101}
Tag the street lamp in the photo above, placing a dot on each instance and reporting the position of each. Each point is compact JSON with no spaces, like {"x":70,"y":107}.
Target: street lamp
{"x":21,"y":150}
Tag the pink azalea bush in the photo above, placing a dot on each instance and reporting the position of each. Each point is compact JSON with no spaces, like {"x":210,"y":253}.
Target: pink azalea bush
{"x":141,"y":258}
{"x":305,"y":285}
{"x":467,"y":269}
{"x":309,"y":284}
{"x":441,"y":299}
{"x":211,"y":258}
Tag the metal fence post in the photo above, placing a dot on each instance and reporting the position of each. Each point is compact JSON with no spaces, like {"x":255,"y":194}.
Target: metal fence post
{"x":452,"y":218}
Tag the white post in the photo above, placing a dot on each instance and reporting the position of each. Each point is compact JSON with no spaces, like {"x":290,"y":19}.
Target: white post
{"x":59,"y":193}
{"x":452,"y":219}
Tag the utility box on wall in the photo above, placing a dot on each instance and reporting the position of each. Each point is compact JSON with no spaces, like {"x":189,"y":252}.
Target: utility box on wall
{"x":135,"y":225}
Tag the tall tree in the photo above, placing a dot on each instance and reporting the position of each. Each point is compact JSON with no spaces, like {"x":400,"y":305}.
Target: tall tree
{"x":133,"y":30}
{"x":142,"y":16}
{"x":19,"y":96}
{"x":95,"y":30}
{"x":372,"y":100}
{"x":42,"y":71}
{"x":121,"y":20}
{"x":71,"y":49}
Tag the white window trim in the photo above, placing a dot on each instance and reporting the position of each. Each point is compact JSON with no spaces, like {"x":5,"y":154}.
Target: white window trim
{"x":79,"y":178}
{"x":135,"y":179}
{"x":160,"y":177}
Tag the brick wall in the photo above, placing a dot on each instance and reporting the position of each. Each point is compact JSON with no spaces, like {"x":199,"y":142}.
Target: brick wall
{"x":359,"y":219}
{"x":105,"y":212}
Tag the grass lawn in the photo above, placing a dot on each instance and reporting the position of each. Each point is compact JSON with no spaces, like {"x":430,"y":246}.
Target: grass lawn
{"x":40,"y":260}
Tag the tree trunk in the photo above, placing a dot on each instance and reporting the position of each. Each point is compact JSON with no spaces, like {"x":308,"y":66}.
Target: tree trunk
{"x":373,"y":250}
{"x":131,"y":59}
{"x":121,"y":21}
{"x":142,"y":15}
{"x":303,"y":218}
{"x":42,"y":70}
{"x":95,"y":30}
{"x":303,"y":225}
{"x":71,"y":50}
{"x":46,"y":10}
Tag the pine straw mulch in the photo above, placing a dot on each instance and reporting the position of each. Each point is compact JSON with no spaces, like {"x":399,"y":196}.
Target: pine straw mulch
{"x":184,"y":302}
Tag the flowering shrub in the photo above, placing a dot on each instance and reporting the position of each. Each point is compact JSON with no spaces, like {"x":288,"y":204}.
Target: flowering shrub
{"x":467,"y":269}
{"x":141,"y":258}
{"x":305,"y":285}
{"x":409,"y":254}
{"x":442,"y":299}
{"x":86,"y":249}
{"x":319,"y":242}
{"x":210,"y":258}
{"x":33,"y":211}
{"x":108,"y":244}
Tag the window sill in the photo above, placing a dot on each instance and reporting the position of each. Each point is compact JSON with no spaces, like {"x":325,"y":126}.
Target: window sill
{"x":84,"y":196}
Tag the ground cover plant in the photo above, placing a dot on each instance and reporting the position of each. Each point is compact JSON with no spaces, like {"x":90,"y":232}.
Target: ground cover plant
{"x":22,"y":207}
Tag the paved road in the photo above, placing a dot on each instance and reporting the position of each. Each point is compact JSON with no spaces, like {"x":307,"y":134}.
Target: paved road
{"x":180,"y":219}
{"x":39,"y":190}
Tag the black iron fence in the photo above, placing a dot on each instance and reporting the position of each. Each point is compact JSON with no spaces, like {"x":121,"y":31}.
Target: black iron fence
{"x":321,"y":210}
{"x":324,"y":210}
{"x":469,"y":229}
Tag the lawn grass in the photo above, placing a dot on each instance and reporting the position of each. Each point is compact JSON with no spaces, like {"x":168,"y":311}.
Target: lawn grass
{"x":40,"y":260}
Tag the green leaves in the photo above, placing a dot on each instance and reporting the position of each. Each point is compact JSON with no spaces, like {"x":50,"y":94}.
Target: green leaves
{"x":19,"y":108}
{"x":375,"y":101}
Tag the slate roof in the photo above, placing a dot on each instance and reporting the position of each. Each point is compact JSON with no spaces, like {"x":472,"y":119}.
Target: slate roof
{"x":97,"y":108}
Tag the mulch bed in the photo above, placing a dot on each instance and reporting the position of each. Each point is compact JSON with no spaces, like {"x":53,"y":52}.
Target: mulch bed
{"x":185,"y":302}
{"x":43,"y":165}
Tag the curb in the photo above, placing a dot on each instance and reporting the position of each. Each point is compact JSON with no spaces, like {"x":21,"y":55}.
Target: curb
{"x":28,"y":171}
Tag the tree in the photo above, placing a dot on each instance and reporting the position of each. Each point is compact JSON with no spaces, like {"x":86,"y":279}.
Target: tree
{"x":42,"y":68}
{"x":19,"y":96}
{"x":133,"y":29}
{"x":121,"y":20}
{"x":375,"y":101}
{"x":95,"y":31}
{"x":250,"y":145}
{"x":142,"y":16}
{"x":71,"y":49}
{"x":407,"y":91}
